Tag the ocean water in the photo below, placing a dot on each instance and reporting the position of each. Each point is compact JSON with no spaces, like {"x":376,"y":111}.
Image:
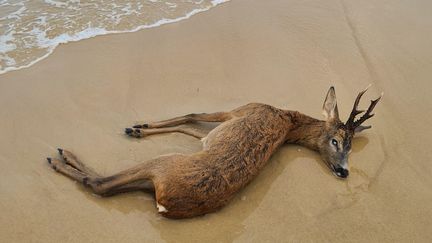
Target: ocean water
{"x":31,"y":29}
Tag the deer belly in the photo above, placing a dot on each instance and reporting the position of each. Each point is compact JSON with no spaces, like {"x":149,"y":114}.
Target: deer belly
{"x":218,"y":133}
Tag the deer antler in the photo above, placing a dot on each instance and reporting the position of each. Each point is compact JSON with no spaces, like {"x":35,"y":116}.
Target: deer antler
{"x":351,"y":123}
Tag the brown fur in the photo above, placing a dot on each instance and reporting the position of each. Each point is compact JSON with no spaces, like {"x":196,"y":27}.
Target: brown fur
{"x":233,"y":154}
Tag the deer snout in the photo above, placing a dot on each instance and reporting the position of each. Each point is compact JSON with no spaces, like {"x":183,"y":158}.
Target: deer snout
{"x":340,"y":172}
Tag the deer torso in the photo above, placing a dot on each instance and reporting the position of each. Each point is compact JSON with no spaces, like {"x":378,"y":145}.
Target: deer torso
{"x":234,"y":153}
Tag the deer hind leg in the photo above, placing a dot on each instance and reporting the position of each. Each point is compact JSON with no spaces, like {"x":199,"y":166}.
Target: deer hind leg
{"x":136,"y":178}
{"x":141,"y":132}
{"x":142,"y":185}
{"x":205,"y":117}
{"x":67,"y":170}
{"x":72,"y":160}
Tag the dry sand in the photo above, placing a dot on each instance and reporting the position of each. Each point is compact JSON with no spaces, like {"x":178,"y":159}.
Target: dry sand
{"x":284,"y":53}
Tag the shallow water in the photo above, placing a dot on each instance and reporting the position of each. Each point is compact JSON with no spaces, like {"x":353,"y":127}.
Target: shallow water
{"x":287,"y":55}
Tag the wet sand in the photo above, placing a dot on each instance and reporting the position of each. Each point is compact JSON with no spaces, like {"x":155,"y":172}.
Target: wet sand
{"x":284,"y":53}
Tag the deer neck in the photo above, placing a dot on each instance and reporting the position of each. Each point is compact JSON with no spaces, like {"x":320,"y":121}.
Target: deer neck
{"x":305,"y":130}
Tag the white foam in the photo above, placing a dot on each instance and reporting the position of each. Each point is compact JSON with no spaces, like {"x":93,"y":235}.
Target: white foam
{"x":216,"y":2}
{"x":56,"y":3}
{"x":6,"y":45}
{"x":5,"y":42}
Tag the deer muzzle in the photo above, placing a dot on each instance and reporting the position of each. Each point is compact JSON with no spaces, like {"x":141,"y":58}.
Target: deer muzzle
{"x":339,"y":171}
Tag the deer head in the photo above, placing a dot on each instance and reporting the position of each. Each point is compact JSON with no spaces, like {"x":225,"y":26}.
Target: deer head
{"x":335,"y":142}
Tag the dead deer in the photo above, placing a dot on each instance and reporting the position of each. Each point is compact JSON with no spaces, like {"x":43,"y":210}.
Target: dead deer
{"x":233,"y":154}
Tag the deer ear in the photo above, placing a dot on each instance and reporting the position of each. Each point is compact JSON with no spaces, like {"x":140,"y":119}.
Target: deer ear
{"x":330,"y":110}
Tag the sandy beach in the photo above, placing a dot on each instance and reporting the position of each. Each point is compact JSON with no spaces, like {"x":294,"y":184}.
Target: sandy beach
{"x":283,"y":53}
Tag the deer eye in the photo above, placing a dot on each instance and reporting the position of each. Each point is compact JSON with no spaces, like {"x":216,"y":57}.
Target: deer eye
{"x":334,"y":142}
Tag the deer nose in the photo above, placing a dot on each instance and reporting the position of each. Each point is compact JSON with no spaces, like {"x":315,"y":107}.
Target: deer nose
{"x":341,"y":172}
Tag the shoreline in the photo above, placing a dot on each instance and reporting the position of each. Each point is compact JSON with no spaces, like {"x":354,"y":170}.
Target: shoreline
{"x":93,"y":32}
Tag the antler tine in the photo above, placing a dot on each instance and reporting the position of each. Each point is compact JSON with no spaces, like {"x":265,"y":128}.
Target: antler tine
{"x":354,"y":111}
{"x":368,"y":114}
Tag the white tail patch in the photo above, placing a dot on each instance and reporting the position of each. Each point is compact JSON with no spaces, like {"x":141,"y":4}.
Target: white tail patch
{"x":161,"y":209}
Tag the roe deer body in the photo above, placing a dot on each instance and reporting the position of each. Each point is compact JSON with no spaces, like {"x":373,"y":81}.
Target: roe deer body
{"x":233,"y":154}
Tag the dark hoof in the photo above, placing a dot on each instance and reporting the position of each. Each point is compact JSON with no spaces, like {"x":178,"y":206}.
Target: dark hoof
{"x":128,"y":130}
{"x":60,"y":151}
{"x":49,"y":160}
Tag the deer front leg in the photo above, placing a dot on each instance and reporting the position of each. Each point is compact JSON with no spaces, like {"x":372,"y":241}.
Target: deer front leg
{"x":141,"y":132}
{"x":205,"y":117}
